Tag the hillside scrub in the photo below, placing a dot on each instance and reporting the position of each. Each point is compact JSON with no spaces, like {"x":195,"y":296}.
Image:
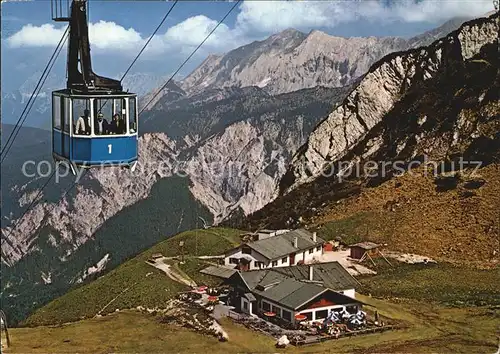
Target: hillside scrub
{"x":134,"y":283}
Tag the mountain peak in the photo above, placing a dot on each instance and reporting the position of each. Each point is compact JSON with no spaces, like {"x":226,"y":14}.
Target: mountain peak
{"x":316,"y":35}
{"x":292,"y":60}
{"x":288,"y":33}
{"x":315,"y":32}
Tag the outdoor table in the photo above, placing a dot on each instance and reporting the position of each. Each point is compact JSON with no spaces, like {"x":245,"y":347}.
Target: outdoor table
{"x":300,"y":317}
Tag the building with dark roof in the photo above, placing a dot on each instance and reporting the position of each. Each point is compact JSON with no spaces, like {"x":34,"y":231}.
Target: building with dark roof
{"x":330,"y":275}
{"x":362,"y":249}
{"x":312,"y":291}
{"x":281,"y":250}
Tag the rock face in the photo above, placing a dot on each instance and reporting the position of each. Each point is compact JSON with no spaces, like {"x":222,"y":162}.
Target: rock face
{"x":75,"y":218}
{"x":234,"y":160}
{"x":238,"y":141}
{"x":381,"y":88}
{"x":419,"y":160}
{"x":292,"y":60}
{"x":223,"y":153}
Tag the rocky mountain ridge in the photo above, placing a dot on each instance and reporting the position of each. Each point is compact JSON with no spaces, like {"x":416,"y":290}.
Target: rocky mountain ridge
{"x":235,"y":144}
{"x":230,"y":163}
{"x":378,"y":92}
{"x":293,"y":60}
{"x":264,"y":132}
{"x":174,"y":145}
{"x":413,"y":164}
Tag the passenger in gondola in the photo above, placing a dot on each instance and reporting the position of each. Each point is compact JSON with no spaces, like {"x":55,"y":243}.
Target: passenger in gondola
{"x":117,"y":125}
{"x":101,"y":125}
{"x":83,"y":124}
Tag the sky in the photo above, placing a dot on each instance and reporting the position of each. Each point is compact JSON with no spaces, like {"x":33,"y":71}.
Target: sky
{"x":118,"y":29}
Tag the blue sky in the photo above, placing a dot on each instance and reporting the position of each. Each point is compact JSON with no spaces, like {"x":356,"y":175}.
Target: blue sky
{"x":118,"y":29}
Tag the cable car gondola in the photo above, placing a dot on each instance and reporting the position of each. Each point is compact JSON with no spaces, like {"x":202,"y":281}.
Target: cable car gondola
{"x":94,"y":122}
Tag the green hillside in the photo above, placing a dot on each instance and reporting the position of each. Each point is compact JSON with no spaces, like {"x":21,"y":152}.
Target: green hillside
{"x":135,"y":283}
{"x":168,"y":210}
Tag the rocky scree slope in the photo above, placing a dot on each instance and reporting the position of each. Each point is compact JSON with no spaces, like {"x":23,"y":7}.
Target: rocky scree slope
{"x":386,"y":83}
{"x":252,"y":132}
{"x":440,"y":102}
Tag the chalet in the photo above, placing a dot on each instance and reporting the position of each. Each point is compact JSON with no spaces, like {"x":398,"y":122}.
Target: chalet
{"x":287,"y":293}
{"x":278,"y":249}
{"x":262,"y":234}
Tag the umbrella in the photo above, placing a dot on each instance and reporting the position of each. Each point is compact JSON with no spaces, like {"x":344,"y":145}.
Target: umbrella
{"x":300,"y":317}
{"x":213,"y":298}
{"x":269,"y":314}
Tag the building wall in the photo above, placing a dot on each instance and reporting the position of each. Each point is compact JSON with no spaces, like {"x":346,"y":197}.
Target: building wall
{"x":327,"y":308}
{"x":349,"y":292}
{"x":304,"y":256}
{"x":246,"y":306}
{"x":279,"y":310}
{"x":307,"y":257}
{"x":314,"y":255}
{"x":254,"y":256}
{"x":280,"y":263}
{"x":275,"y":308}
{"x":357,"y":252}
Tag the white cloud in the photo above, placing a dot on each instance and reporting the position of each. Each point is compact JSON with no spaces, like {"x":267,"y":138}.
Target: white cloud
{"x":106,"y":36}
{"x":426,"y":10}
{"x":188,"y":34}
{"x":102,"y":35}
{"x":273,"y":16}
{"x":194,"y":29}
{"x":254,"y":20}
{"x":109,"y":35}
{"x":46,"y":35}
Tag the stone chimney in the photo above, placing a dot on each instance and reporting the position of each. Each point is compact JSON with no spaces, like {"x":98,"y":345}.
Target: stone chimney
{"x":295,"y":242}
{"x":311,"y":271}
{"x":314,"y":237}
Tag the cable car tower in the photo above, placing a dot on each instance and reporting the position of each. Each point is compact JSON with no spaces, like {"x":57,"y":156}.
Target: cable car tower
{"x":94,"y":122}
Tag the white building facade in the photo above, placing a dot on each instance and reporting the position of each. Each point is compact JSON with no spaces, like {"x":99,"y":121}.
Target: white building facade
{"x":280,"y":250}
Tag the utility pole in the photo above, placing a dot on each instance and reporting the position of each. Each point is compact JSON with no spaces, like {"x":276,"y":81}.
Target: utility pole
{"x":181,"y":245}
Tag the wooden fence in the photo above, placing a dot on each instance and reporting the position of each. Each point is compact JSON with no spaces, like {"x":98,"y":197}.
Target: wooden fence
{"x":318,"y":339}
